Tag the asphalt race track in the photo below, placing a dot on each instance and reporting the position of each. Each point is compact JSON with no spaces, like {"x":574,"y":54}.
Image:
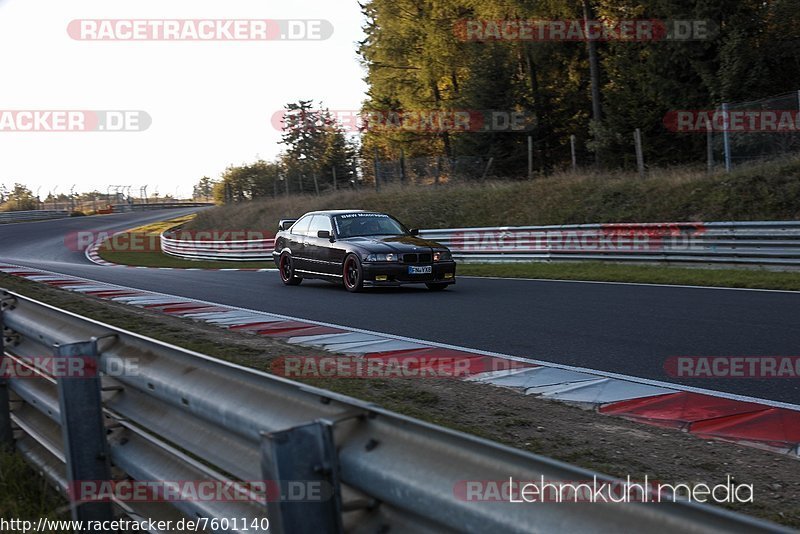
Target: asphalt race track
{"x":620,"y":328}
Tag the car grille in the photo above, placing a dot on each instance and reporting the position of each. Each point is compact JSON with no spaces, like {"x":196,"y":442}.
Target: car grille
{"x":417,"y":258}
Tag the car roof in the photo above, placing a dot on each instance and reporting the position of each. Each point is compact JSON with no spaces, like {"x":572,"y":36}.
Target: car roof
{"x":337,"y":212}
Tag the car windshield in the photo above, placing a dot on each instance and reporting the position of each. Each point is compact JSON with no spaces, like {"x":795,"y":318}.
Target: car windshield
{"x":366,"y":224}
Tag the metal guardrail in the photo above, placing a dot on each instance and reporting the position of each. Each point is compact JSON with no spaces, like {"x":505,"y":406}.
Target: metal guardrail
{"x":177,"y":415}
{"x":234,"y":250}
{"x":32,"y":215}
{"x":36,"y":215}
{"x":121,"y":208}
{"x":767,"y":244}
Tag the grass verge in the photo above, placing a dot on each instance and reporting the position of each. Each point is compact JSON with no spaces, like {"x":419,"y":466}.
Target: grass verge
{"x":159,"y":259}
{"x":24,"y":495}
{"x":606,"y":444}
{"x":762,"y":191}
{"x":644,"y":274}
{"x":119,"y":250}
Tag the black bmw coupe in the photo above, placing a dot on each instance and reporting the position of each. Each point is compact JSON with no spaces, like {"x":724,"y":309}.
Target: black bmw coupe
{"x":359,"y":249}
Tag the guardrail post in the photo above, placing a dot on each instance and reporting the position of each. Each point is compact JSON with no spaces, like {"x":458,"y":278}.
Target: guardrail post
{"x":6,"y":432}
{"x":302,"y":463}
{"x":726,"y":142}
{"x":85,"y":445}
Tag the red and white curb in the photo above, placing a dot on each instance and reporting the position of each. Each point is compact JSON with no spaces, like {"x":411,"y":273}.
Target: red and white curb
{"x":93,"y":256}
{"x":707,"y":414}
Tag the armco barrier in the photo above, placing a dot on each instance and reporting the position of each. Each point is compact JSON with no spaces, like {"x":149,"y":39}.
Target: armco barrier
{"x":33,"y":215}
{"x":175,"y":415}
{"x":37,"y":215}
{"x":764,"y":244}
{"x":121,"y":208}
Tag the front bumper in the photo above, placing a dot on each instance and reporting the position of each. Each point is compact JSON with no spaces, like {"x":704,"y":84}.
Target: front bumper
{"x":381,"y":274}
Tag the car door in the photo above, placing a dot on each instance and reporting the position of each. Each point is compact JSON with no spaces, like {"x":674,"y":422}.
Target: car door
{"x":318,"y":249}
{"x":296,"y":241}
{"x":338,"y":249}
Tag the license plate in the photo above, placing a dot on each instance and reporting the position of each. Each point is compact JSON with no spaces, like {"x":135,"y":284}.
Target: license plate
{"x":425,"y":269}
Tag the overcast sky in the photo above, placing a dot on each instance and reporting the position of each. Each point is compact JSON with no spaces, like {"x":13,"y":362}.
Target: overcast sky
{"x":210,"y":102}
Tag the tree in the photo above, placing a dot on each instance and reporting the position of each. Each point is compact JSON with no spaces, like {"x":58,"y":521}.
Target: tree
{"x":204,"y":188}
{"x":599,"y":91}
{"x":315,"y":145}
{"x":20,"y":198}
{"x":247,"y":182}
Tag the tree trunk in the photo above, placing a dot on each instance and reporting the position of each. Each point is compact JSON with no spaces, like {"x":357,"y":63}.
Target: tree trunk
{"x":594,"y":70}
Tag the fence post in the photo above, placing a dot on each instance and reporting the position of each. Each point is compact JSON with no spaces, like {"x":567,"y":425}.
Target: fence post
{"x":573,"y":152}
{"x":438,"y":169}
{"x":334,"y":178}
{"x":301,"y":466}
{"x":85,"y":445}
{"x":402,"y":166}
{"x":6,"y":432}
{"x":710,"y":147}
{"x":486,"y":170}
{"x":726,"y":142}
{"x":316,"y":184}
{"x":530,"y":157}
{"x":637,"y":139}
{"x":375,"y":165}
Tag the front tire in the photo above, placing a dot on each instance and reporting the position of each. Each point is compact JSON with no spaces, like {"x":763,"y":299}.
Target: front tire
{"x":286,"y":268}
{"x":437,"y":286}
{"x":353,"y":274}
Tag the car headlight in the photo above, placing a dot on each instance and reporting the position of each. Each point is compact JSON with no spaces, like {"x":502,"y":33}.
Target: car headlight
{"x":443,"y":255}
{"x":382,"y":257}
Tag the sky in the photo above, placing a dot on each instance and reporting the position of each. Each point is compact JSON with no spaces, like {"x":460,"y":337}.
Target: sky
{"x":211,"y":103}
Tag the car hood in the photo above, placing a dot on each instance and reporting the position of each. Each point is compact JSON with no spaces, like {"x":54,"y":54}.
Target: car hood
{"x":394,"y":243}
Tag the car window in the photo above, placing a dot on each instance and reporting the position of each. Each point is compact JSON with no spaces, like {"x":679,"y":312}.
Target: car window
{"x":301,"y":226}
{"x":319,"y":222}
{"x":364,"y":224}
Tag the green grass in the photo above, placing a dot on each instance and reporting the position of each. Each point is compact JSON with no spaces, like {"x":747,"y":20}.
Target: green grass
{"x":608,"y":272}
{"x":24,"y":495}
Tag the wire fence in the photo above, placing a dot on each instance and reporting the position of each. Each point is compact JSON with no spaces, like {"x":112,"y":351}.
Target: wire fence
{"x":757,"y":129}
{"x":432,"y":170}
{"x":736,"y":133}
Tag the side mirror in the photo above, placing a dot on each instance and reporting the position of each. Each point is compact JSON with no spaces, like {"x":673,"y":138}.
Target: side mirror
{"x":414,"y":231}
{"x":285,"y":224}
{"x":324,"y":234}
